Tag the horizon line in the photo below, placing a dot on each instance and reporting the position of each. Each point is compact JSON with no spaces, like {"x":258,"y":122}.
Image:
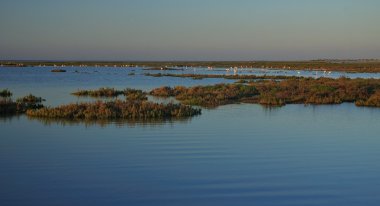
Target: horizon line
{"x":257,"y":60}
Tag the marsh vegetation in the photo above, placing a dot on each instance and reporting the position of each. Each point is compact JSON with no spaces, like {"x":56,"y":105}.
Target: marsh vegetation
{"x":10,"y":107}
{"x":116,"y":110}
{"x":364,"y":92}
{"x":131,"y":94}
{"x":268,"y":92}
{"x":101,"y":92}
{"x":135,"y":106}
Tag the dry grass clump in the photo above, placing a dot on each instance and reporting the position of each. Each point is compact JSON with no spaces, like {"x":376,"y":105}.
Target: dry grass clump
{"x":116,"y":110}
{"x":21,"y":105}
{"x":101,"y":92}
{"x":372,"y":101}
{"x":131,"y":94}
{"x":208,"y":96}
{"x":135,"y":95}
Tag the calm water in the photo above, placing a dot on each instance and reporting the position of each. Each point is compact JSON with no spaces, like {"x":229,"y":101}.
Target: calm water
{"x":233,"y":155}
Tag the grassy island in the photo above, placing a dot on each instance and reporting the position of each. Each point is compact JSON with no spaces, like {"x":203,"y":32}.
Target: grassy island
{"x":364,"y":92}
{"x":116,"y":110}
{"x":111,"y":92}
{"x":101,"y":92}
{"x":135,"y":106}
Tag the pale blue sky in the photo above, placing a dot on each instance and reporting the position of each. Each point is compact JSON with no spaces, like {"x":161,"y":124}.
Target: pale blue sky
{"x":189,"y":29}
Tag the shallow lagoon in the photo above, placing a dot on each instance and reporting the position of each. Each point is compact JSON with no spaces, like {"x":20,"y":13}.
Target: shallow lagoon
{"x":56,"y":87}
{"x":233,"y":155}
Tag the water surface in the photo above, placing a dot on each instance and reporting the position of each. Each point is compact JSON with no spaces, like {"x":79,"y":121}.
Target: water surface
{"x":240,"y":154}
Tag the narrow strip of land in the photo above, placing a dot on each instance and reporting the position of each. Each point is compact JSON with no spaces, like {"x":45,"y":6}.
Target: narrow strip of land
{"x":366,"y":65}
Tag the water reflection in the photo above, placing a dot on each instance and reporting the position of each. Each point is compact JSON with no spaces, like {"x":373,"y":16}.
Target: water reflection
{"x":105,"y":123}
{"x":237,"y":154}
{"x":9,"y":118}
{"x":270,"y":109}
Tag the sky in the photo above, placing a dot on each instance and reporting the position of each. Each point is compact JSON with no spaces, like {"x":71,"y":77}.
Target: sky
{"x":192,"y":30}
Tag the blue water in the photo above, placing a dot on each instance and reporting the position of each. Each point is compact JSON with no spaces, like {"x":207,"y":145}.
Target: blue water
{"x":240,"y":154}
{"x":56,"y":87}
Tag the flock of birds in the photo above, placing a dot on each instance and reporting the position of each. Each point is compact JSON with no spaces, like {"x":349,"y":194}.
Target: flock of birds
{"x":237,"y":70}
{"x":245,"y":70}
{"x":242,"y":70}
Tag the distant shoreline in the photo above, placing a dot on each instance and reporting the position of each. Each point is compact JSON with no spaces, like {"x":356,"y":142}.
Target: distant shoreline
{"x":360,"y":65}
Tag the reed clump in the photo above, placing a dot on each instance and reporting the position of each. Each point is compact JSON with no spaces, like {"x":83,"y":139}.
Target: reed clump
{"x":163,"y":92}
{"x":116,"y":110}
{"x":208,"y":96}
{"x":372,"y":101}
{"x":101,"y":92}
{"x":10,"y":107}
{"x":135,"y":95}
{"x":30,"y":102}
{"x":132,"y":94}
